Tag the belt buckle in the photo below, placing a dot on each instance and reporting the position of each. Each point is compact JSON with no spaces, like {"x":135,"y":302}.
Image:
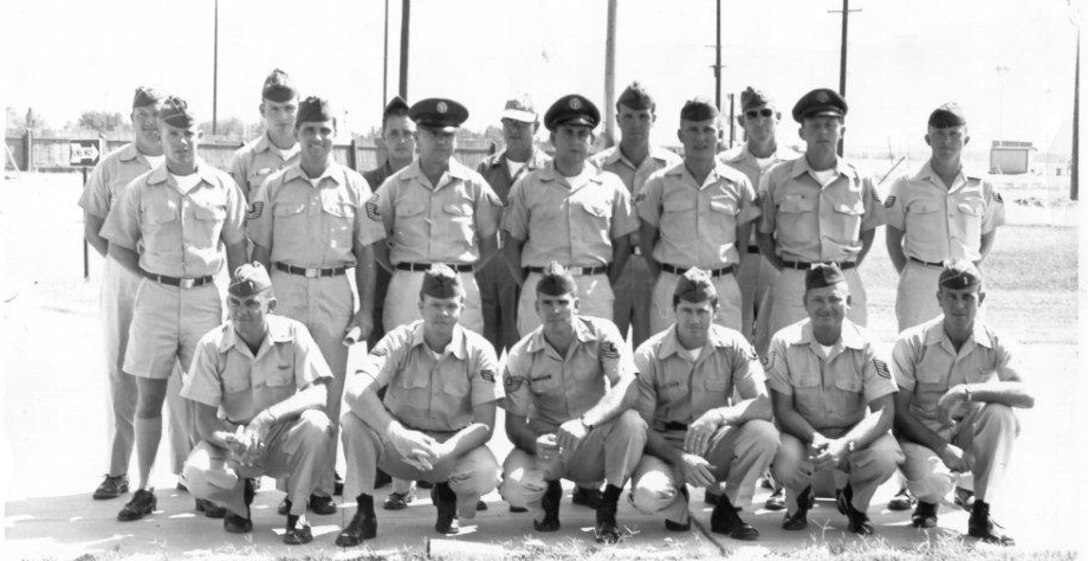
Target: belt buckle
{"x":187,"y":283}
{"x":313,"y":272}
{"x":583,"y":271}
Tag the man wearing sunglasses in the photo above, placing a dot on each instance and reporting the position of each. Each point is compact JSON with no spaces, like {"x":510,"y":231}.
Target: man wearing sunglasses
{"x":817,"y":208}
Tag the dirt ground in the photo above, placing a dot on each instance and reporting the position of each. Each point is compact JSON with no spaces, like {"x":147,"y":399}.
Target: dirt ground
{"x":54,"y":400}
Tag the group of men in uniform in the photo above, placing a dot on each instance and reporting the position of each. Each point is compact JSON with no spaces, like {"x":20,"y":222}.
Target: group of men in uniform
{"x":736,"y":275}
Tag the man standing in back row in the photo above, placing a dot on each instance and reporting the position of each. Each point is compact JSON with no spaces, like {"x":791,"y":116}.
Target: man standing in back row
{"x":277,"y":147}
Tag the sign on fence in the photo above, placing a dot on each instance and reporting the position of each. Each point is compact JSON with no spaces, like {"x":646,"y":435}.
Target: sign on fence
{"x":85,"y":153}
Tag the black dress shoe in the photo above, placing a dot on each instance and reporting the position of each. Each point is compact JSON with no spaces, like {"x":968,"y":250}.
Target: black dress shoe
{"x":298,"y":530}
{"x":859,"y":521}
{"x":112,"y":486}
{"x":421,"y":484}
{"x":481,"y":506}
{"x":445,"y":501}
{"x":588,"y":497}
{"x":799,"y":520}
{"x":725,"y":520}
{"x":362,"y":527}
{"x":398,"y":501}
{"x":321,"y":504}
{"x":710,"y":497}
{"x":980,"y":525}
{"x":903,"y":500}
{"x":235,"y":524}
{"x":924,"y":516}
{"x":143,"y":503}
{"x":518,"y":509}
{"x":550,"y":503}
{"x":672,"y":526}
{"x":210,"y":509}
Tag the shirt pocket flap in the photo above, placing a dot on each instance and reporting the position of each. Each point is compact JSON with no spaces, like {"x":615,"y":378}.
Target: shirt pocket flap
{"x":715,"y":383}
{"x":854,"y":208}
{"x":678,"y":204}
{"x":161,"y":214}
{"x":342,"y":209}
{"x":796,"y":204}
{"x":288,"y":209}
{"x":848,"y":382}
{"x":804,"y":378}
{"x":723,"y":206}
{"x":595,"y":208}
{"x":971,"y":208}
{"x":925,"y":207}
{"x":409,"y":209}
{"x":210,"y":213}
{"x":284,"y":375}
{"x":458,"y":209}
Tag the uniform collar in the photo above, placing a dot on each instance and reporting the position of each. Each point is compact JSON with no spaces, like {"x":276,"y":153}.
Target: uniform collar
{"x":129,"y":152}
{"x":279,"y":331}
{"x":926,"y":172}
{"x":457,"y":346}
{"x":800,"y":167}
{"x":457,"y":170}
{"x":203,"y":169}
{"x":536,"y":159}
{"x":333,"y":171}
{"x":850,"y":338}
{"x":590,"y":172}
{"x":582,"y":333}
{"x":935,"y":334}
{"x":719,"y":171}
{"x":670,"y":343}
{"x":614,"y":154}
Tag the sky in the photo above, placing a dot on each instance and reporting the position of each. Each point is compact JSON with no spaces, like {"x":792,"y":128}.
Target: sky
{"x":905,"y":57}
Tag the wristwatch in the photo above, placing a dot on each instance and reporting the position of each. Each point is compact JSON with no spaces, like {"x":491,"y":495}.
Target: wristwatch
{"x":582,"y":420}
{"x":966,"y":393}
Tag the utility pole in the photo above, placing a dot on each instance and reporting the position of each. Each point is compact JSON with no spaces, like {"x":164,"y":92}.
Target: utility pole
{"x":610,"y":75}
{"x":1074,"y":175}
{"x":215,"y":71}
{"x":385,"y":58}
{"x":406,"y":8}
{"x":842,"y":53}
{"x":718,"y":63}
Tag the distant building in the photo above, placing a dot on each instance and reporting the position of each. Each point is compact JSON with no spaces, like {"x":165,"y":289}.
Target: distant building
{"x":1010,"y":157}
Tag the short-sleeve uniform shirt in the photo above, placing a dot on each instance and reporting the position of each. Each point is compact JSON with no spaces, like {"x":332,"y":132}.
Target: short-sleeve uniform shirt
{"x":308,"y":226}
{"x":497,"y":173}
{"x":926,"y":364}
{"x":697,"y":224}
{"x":436,"y":224}
{"x":428,"y":393}
{"x":110,"y":177}
{"x":257,"y":160}
{"x":227,"y":375}
{"x":939,"y":223}
{"x":833,"y":392}
{"x":178,"y":234}
{"x":673,"y":389}
{"x":571,"y":220}
{"x":551,"y":389}
{"x":742,"y":160}
{"x":635,"y":177}
{"x":813,"y":223}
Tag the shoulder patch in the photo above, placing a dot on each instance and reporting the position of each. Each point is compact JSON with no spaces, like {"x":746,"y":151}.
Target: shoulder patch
{"x":997,"y":197}
{"x":372,"y":211}
{"x":768,"y":361}
{"x":882,"y":368}
{"x":488,"y":375}
{"x":607,"y":349}
{"x":379,"y":351}
{"x":512,"y":384}
{"x":640,"y":197}
{"x":889,"y":202}
{"x":255,"y":210}
{"x":751,"y":355}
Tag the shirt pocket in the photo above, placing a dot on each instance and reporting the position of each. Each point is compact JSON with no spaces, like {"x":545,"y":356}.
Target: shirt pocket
{"x":161,"y":226}
{"x":807,"y":393}
{"x":340,"y":222}
{"x":460,"y":226}
{"x":929,"y":385}
{"x":723,"y":219}
{"x":593,"y":221}
{"x":970,"y":212}
{"x":678,"y":221}
{"x":235,"y":380}
{"x":410,"y":227}
{"x":845,"y":227}
{"x":209,"y":224}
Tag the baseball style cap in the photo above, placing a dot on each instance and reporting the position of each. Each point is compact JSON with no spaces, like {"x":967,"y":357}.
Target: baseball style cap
{"x":520,"y":109}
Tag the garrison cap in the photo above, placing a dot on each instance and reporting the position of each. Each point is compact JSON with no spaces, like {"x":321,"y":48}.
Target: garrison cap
{"x":145,"y":95}
{"x":572,"y":110}
{"x":823,"y":274}
{"x":249,"y":279}
{"x":520,"y":109}
{"x":698,"y":109}
{"x":820,"y":102}
{"x":175,"y":112}
{"x":439,"y":114}
{"x":313,"y":109}
{"x":278,"y":87}
{"x":947,"y":115}
{"x":556,"y":280}
{"x":440,"y":281}
{"x":959,"y":275}
{"x":695,"y":285}
{"x":752,"y":97}
{"x":396,"y":107}
{"x":636,"y":97}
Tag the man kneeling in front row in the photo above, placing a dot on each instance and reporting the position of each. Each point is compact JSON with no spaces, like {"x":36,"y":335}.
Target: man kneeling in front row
{"x":436,"y":417}
{"x":258,"y":384}
{"x":687,"y":374}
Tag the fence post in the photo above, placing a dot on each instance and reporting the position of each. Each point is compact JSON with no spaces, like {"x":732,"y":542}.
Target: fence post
{"x":352,"y":156}
{"x":28,"y":150}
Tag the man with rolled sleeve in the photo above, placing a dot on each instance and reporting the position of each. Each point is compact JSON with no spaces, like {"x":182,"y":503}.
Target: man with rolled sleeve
{"x":258,"y":386}
{"x":498,"y":289}
{"x":816,"y":208}
{"x":168,"y":226}
{"x":569,"y":392}
{"x":309,"y":226}
{"x":760,"y":152}
{"x":436,"y":210}
{"x":693,"y":215}
{"x":942,"y":212}
{"x":277,"y":147}
{"x":104,"y":186}
{"x":436,"y":416}
{"x":823,"y":372}
{"x":687,"y":375}
{"x":570,"y":212}
{"x":959,"y":385}
{"x":634,"y":160}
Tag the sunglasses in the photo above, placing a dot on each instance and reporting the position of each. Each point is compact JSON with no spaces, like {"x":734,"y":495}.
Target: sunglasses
{"x":754,"y":114}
